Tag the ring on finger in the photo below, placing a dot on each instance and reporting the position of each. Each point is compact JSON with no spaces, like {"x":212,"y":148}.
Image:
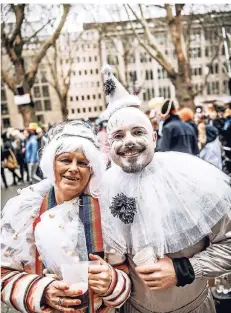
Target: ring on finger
{"x":59,"y":302}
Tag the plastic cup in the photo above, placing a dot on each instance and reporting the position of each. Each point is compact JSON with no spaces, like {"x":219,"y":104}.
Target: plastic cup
{"x":145,"y":256}
{"x":76,"y":276}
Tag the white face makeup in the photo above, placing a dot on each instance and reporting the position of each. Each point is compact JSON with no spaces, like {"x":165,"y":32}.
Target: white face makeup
{"x":131,"y":138}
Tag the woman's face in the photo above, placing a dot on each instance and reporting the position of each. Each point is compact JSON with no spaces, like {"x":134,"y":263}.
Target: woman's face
{"x":72,"y":174}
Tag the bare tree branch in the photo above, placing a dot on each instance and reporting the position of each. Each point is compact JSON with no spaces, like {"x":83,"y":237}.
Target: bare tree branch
{"x":46,"y":45}
{"x":38,"y":31}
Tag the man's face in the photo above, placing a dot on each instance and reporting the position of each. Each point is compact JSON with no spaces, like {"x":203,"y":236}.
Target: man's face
{"x":131,"y":139}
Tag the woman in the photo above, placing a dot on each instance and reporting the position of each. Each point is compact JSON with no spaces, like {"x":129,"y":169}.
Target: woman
{"x":187,"y":116}
{"x":45,"y":230}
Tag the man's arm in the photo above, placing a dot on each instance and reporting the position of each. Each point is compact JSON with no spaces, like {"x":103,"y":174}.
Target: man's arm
{"x":216,"y":259}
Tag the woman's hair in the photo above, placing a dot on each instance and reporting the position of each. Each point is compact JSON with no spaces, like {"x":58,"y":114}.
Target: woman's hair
{"x":186,"y":114}
{"x":69,"y":137}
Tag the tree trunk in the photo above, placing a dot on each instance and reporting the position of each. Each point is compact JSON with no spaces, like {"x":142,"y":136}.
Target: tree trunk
{"x":64,"y":107}
{"x":184,"y":93}
{"x":28,"y":114}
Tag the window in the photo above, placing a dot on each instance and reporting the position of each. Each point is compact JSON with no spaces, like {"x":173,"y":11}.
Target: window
{"x":82,"y":97}
{"x":97,"y":84}
{"x":71,"y":98}
{"x":95,"y":58}
{"x":77,"y":59}
{"x":73,"y":72}
{"x":91,"y":71}
{"x":3,"y":95}
{"x":209,"y":88}
{"x":95,"y":109}
{"x":149,"y":94}
{"x":101,"y":108}
{"x":89,"y":59}
{"x":6,"y":122}
{"x":78,"y":110}
{"x":89,"y":109}
{"x":40,"y":118}
{"x":36,"y":92}
{"x":144,"y":96}
{"x":153,"y":92}
{"x":77,"y":98}
{"x":225,"y":86}
{"x":47,"y":105}
{"x":85,"y":72}
{"x":94,"y":97}
{"x":151,"y":74}
{"x":72,"y":111}
{"x":97,"y":71}
{"x":99,"y":95}
{"x":80,"y":73}
{"x":45,"y":91}
{"x":84,"y":110}
{"x":215,"y":87}
{"x":4,"y":109}
{"x":147,"y":75}
{"x":88,"y":97}
{"x":84,"y":59}
{"x":38,"y":105}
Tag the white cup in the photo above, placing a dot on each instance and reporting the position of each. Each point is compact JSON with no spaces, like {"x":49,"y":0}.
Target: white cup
{"x":145,"y":256}
{"x":76,"y":275}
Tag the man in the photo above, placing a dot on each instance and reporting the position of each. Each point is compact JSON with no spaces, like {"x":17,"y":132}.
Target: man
{"x":31,"y":151}
{"x":176,"y":134}
{"x":172,"y":204}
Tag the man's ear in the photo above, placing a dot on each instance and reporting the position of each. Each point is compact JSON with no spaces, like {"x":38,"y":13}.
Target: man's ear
{"x":154,"y":136}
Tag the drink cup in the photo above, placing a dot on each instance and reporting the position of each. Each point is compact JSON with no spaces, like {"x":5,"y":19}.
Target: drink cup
{"x":145,"y":256}
{"x":76,"y":276}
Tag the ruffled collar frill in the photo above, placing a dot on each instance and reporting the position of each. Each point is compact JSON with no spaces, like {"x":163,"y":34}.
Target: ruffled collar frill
{"x":170,"y":205}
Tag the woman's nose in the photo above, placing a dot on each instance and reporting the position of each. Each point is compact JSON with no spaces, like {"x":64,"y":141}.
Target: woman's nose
{"x":73,"y":167}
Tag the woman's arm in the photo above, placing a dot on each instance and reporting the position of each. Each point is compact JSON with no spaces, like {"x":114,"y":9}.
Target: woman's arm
{"x":23,"y":291}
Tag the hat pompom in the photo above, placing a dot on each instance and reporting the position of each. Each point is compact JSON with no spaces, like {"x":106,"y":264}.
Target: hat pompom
{"x":106,"y":69}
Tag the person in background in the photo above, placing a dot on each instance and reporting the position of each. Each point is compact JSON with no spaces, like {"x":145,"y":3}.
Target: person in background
{"x":31,"y":152}
{"x":187,"y":116}
{"x":9,"y":152}
{"x":176,"y":134}
{"x":211,"y":152}
{"x":103,"y":142}
{"x":219,"y":121}
{"x":18,"y":144}
{"x":39,"y":133}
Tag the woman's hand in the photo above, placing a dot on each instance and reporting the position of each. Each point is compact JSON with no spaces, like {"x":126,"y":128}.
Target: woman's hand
{"x":161,"y":275}
{"x":99,"y":276}
{"x":55,"y":295}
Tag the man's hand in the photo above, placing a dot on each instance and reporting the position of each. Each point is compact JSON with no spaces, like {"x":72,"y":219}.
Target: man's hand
{"x":161,"y":275}
{"x":55,"y":296}
{"x":99,"y":276}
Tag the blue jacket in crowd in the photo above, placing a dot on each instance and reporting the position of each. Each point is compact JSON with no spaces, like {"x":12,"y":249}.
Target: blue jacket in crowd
{"x":31,"y":153}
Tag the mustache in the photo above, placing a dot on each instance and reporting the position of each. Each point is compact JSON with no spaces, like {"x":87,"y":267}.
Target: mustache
{"x":131,"y":148}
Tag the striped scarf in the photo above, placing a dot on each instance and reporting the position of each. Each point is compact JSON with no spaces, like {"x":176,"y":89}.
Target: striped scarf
{"x":89,"y":214}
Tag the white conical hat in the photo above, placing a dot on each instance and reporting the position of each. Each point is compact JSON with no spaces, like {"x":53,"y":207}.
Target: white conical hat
{"x":118,"y":96}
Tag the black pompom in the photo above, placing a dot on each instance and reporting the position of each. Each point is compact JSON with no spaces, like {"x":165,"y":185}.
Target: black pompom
{"x":109,"y":86}
{"x":124,"y":208}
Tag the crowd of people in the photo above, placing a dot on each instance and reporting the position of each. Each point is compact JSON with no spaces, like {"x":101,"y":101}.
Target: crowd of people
{"x":20,"y":154}
{"x":204,"y":133}
{"x":152,"y":226}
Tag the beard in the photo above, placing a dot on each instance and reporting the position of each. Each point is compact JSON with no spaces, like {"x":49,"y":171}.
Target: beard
{"x":132,"y":168}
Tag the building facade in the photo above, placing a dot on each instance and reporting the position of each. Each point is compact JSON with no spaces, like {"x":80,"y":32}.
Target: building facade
{"x":131,"y":64}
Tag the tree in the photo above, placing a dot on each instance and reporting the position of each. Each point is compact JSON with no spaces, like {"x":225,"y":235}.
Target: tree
{"x":60,"y":62}
{"x":16,"y":36}
{"x":177,"y":26}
